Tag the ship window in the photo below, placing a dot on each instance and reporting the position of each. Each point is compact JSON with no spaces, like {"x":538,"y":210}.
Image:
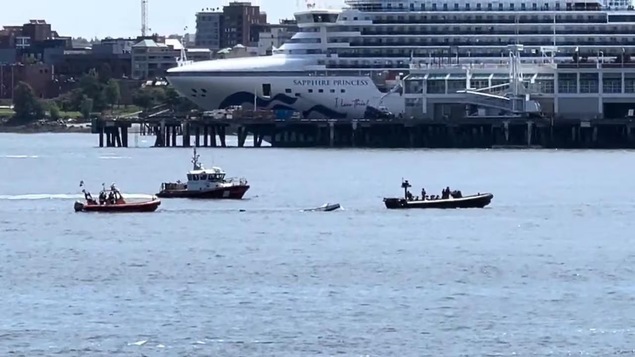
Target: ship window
{"x":287,"y":90}
{"x":189,"y":177}
{"x":194,"y":90}
{"x":321,"y":90}
{"x":332,"y":90}
{"x":310,"y":90}
{"x":204,"y":90}
{"x":298,"y":95}
{"x":203,"y":177}
{"x":266,"y":90}
{"x":343,"y":90}
{"x":194,"y":177}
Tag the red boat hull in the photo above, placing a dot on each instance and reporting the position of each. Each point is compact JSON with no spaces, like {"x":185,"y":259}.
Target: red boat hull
{"x":229,"y":193}
{"x":149,"y":206}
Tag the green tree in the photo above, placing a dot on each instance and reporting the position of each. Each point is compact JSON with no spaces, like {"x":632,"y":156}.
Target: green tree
{"x":25,"y":104}
{"x":112,"y":93}
{"x":86,"y":107}
{"x":54,"y":111}
{"x":149,"y":97}
{"x":104,"y":73}
{"x":90,"y":86}
{"x":172,"y":98}
{"x":177,"y":102}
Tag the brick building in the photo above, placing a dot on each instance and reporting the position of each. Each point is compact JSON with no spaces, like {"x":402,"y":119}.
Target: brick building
{"x":237,"y":21}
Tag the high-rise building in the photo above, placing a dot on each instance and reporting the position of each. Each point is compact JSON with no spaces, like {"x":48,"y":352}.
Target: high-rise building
{"x":237,"y":20}
{"x":209,"y":29}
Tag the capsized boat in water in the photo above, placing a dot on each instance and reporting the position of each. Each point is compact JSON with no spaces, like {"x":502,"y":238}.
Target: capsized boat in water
{"x":448,"y":199}
{"x":327,"y":207}
{"x":112,"y":201}
{"x":205,"y":183}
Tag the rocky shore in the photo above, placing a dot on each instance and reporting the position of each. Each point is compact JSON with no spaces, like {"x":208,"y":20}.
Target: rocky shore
{"x":44,"y":127}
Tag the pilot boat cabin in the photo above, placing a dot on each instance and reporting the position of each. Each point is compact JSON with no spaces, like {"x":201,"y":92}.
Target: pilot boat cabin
{"x":198,"y":180}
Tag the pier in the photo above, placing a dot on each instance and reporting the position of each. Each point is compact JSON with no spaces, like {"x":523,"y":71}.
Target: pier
{"x":484,"y":132}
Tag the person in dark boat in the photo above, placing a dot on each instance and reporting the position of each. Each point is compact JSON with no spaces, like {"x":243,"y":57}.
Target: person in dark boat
{"x":89,"y":197}
{"x":423,"y":194}
{"x":111,"y":198}
{"x":102,"y":197}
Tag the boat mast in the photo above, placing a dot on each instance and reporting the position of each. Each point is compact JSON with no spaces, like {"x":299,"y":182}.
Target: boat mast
{"x":197,"y":165}
{"x":405,"y":184}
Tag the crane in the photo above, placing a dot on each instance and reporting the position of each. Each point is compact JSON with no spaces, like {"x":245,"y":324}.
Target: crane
{"x":144,"y":18}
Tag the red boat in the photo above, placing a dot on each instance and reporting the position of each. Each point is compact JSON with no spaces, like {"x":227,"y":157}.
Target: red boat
{"x":113,"y":201}
{"x":205,"y":183}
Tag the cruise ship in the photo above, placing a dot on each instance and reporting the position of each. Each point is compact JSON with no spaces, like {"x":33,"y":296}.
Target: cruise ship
{"x":353,"y":62}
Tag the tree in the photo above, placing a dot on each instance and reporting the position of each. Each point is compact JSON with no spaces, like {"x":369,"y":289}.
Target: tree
{"x":177,"y":102}
{"x":90,"y":86}
{"x":112,"y":94}
{"x":54,"y":111}
{"x":142,"y":99}
{"x":149,"y":97}
{"x":104,"y":73}
{"x":86,"y":107}
{"x":25,"y":104}
{"x":172,"y":98}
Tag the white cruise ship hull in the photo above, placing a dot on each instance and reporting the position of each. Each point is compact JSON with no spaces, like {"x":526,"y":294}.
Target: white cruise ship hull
{"x":280,"y":82}
{"x":314,"y":97}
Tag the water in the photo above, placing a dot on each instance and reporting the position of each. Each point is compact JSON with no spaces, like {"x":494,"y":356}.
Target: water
{"x":546,"y":270}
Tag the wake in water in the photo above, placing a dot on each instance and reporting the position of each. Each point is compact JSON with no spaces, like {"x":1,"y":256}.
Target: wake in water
{"x":19,"y":156}
{"x":61,"y":196}
{"x":114,"y":157}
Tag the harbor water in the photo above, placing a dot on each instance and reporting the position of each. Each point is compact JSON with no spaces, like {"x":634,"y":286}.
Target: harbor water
{"x":546,"y":270}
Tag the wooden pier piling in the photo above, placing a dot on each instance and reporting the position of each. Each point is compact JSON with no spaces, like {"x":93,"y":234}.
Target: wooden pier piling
{"x":465,"y":133}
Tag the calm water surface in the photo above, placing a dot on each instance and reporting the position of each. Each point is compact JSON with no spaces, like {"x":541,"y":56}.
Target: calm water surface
{"x":547,"y":270}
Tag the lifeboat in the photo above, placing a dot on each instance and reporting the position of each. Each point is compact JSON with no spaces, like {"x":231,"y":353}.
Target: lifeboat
{"x":112,"y":201}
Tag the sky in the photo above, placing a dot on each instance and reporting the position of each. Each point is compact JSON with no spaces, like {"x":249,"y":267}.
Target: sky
{"x":122,"y":18}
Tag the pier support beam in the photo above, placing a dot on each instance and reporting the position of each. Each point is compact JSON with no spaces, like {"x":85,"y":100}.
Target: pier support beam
{"x":331,"y":134}
{"x":530,"y":131}
{"x":594,"y":134}
{"x":221,"y":135}
{"x":124,"y":136}
{"x":186,"y":135}
{"x":258,"y":137}
{"x":242,"y":136}
{"x":101,"y":136}
{"x":506,"y":129}
{"x":354,"y":134}
{"x":212,"y":136}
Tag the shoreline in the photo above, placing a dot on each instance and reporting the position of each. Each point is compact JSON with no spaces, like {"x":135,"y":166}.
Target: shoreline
{"x":43,"y":129}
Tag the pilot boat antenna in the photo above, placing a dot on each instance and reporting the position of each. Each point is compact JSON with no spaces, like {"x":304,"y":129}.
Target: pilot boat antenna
{"x":195,"y":162}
